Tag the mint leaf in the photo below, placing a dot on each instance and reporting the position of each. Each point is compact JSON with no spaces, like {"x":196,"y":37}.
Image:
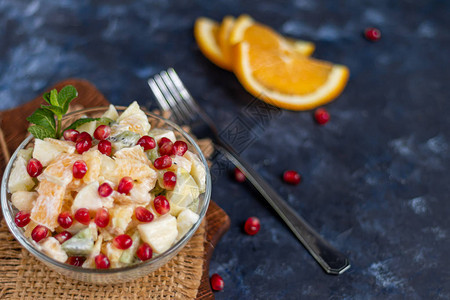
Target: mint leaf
{"x":44,"y":118}
{"x":80,"y":122}
{"x":54,"y":109}
{"x":46,"y":97}
{"x":40,"y":132}
{"x":65,"y":96}
{"x":54,"y":97}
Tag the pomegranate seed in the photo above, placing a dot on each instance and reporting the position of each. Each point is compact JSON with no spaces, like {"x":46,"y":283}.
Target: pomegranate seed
{"x":34,"y":167}
{"x":252,"y":226}
{"x":104,"y":190}
{"x":165,"y":146}
{"x":71,"y":135}
{"x":102,"y":132}
{"x":83,"y":146}
{"x":102,"y":261}
{"x":63,"y":236}
{"x":372,"y":34}
{"x":180,"y":148}
{"x":125,"y":185}
{"x":143,"y":214}
{"x":101,"y":217}
{"x":162,"y":162}
{"x":76,"y":261}
{"x":22,"y":219}
{"x":217,"y":282}
{"x":79,"y":169}
{"x":146,"y":142}
{"x":161,"y":205}
{"x":170,"y":180}
{"x":321,"y":116}
{"x":291,"y":177}
{"x":104,"y":147}
{"x":39,"y":233}
{"x":84,"y":136}
{"x":65,"y":219}
{"x":144,"y":252}
{"x":122,"y":241}
{"x":238,"y":175}
{"x":82,"y":216}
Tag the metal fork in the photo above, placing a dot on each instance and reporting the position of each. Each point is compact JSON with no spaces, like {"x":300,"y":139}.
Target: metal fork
{"x":172,"y":95}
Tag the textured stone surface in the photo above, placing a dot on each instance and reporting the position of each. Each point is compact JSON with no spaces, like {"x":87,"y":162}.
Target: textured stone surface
{"x":375,"y":179}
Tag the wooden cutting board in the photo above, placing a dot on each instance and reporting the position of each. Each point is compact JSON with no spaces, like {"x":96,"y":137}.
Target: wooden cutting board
{"x":14,"y":129}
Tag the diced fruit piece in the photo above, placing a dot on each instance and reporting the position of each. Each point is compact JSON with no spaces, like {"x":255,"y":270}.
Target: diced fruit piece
{"x":65,"y":219}
{"x":181,"y":162}
{"x":45,"y":151}
{"x":160,"y":233}
{"x":102,"y":218}
{"x":76,"y":227}
{"x":23,"y":200}
{"x":88,"y":198}
{"x":291,"y":177}
{"x":102,"y":132}
{"x":135,"y":119}
{"x":80,"y":244}
{"x":93,"y":159}
{"x":146,"y":142}
{"x":102,"y":261}
{"x":65,"y":146}
{"x":170,"y":180}
{"x":52,"y":248}
{"x":76,"y":261}
{"x":123,"y":139}
{"x":161,"y":205}
{"x":60,"y":171}
{"x":175,"y":210}
{"x":120,"y":218}
{"x":125,"y":185}
{"x":163,"y":162}
{"x":79,"y":169}
{"x":252,"y":226}
{"x":34,"y":167}
{"x":122,"y":241}
{"x":128,"y":255}
{"x":321,"y":116}
{"x":143,"y":215}
{"x":90,"y":261}
{"x":25,"y":153}
{"x":82,"y":216}
{"x":111,"y":113}
{"x":179,"y":148}
{"x":105,"y":190}
{"x":20,"y":180}
{"x":186,"y":189}
{"x":48,"y":204}
{"x":113,"y":254}
{"x":198,"y":170}
{"x":63,"y":236}
{"x":185,"y":220}
{"x":238,"y":175}
{"x":141,"y":173}
{"x":22,"y":219}
{"x":165,"y":147}
{"x":88,"y":127}
{"x":105,"y":147}
{"x":71,"y":135}
{"x":39,"y":233}
{"x":136,"y":152}
{"x":217,"y":283}
{"x":158,"y":134}
{"x":144,"y":252}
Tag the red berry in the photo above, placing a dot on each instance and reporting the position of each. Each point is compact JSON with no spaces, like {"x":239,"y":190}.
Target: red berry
{"x":63,"y":236}
{"x":39,"y":233}
{"x":238,"y":175}
{"x":83,"y":145}
{"x":102,"y":261}
{"x":84,"y":136}
{"x":146,"y":142}
{"x":162,"y":162}
{"x":101,"y":217}
{"x":125,"y":185}
{"x":165,"y":146}
{"x":372,"y":34}
{"x":76,"y":261}
{"x":71,"y":135}
{"x":321,"y":116}
{"x":252,"y":226}
{"x":65,"y":219}
{"x":180,"y":148}
{"x":144,"y":252}
{"x":122,"y":241}
{"x":104,"y":190}
{"x":292,"y":177}
{"x":143,"y":215}
{"x":22,"y":219}
{"x":161,"y":205}
{"x":104,"y":147}
{"x":82,"y":216}
{"x":170,"y":180}
{"x":79,"y":169}
{"x":217,"y":282}
{"x":34,"y":167}
{"x":102,"y":132}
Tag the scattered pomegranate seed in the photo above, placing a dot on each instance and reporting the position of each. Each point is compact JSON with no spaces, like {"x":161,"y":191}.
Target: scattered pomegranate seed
{"x":146,"y":142}
{"x":82,"y":216}
{"x":125,"y":185}
{"x":102,"y":132}
{"x":165,"y":146}
{"x":292,"y":177}
{"x":102,"y":261}
{"x":162,"y":162}
{"x":76,"y":261}
{"x":104,"y":190}
{"x":84,"y":136}
{"x":321,"y":116}
{"x":39,"y":233}
{"x":105,"y":147}
{"x":122,"y":241}
{"x":143,"y":215}
{"x":161,"y":205}
{"x":65,"y":219}
{"x":22,"y":219}
{"x":372,"y":34}
{"x":101,"y":217}
{"x":79,"y":169}
{"x":179,"y":148}
{"x":170,"y":180}
{"x":34,"y":167}
{"x":83,"y":146}
{"x":63,"y":236}
{"x":217,"y":282}
{"x":238,"y":175}
{"x":252,"y":226}
{"x":71,"y":135}
{"x":144,"y":252}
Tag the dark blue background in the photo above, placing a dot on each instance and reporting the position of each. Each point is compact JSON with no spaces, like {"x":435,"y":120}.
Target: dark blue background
{"x":375,"y":178}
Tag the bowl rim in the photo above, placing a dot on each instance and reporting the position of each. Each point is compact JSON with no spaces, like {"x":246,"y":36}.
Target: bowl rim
{"x":28,"y":245}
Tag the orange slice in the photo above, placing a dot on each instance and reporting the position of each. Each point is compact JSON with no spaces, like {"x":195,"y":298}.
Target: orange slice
{"x":48,"y":204}
{"x":223,"y":37}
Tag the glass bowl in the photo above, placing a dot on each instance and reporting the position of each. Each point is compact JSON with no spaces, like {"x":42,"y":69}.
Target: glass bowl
{"x":99,"y":276}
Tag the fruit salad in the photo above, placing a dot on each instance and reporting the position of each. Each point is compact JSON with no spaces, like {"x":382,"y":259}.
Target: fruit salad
{"x":109,"y":193}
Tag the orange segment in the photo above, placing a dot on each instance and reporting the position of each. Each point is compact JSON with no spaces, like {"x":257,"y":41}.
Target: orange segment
{"x":60,"y":171}
{"x":223,"y":37}
{"x":48,"y":204}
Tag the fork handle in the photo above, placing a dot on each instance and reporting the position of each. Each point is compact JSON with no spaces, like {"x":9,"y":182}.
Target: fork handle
{"x":331,"y":260}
